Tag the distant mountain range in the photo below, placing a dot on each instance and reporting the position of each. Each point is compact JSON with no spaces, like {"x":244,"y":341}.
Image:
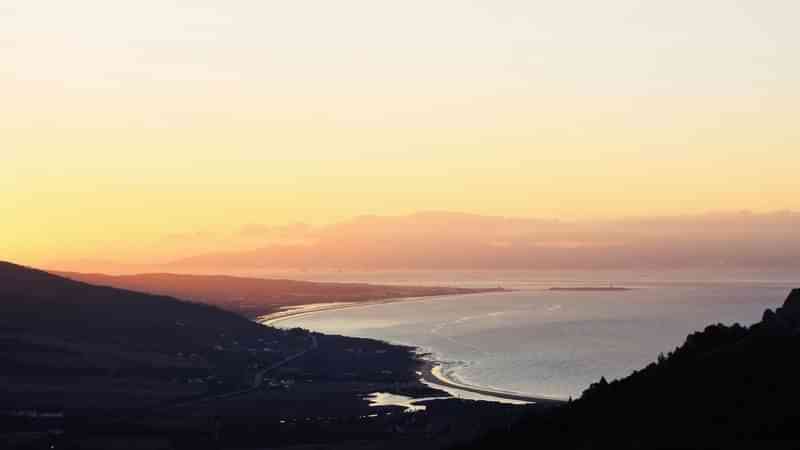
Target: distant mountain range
{"x":457,"y":241}
{"x":444,"y":240}
{"x":727,"y":387}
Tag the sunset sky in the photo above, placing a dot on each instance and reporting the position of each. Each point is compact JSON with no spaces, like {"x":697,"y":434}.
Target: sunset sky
{"x":127,"y":126}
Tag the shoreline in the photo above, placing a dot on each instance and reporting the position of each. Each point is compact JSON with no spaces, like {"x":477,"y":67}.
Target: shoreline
{"x":294,"y":311}
{"x":432,"y":374}
{"x":589,"y":289}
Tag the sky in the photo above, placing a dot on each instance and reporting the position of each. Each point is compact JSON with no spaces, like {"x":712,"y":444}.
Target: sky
{"x":127,"y":126}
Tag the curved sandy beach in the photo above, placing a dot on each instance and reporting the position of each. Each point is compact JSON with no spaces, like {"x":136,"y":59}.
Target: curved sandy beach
{"x":293,"y":312}
{"x":433,"y":374}
{"x":306,"y":310}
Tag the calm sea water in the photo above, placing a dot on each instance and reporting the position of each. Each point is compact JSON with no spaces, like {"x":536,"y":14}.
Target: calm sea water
{"x":539,"y":342}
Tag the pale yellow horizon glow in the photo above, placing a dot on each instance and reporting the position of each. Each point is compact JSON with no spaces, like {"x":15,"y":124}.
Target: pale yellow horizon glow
{"x":123,"y":124}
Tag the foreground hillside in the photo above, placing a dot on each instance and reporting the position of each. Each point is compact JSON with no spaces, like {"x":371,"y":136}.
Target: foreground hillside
{"x":66,"y":344}
{"x":727,"y":387}
{"x":253,"y":297}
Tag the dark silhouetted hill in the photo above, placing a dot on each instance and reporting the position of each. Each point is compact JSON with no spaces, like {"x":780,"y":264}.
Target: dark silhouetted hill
{"x":65,"y":343}
{"x":726,"y":387}
{"x":33,"y":300}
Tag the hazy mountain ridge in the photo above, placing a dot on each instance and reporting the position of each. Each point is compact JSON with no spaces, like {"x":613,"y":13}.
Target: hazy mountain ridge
{"x":442,"y":240}
{"x":252,"y":297}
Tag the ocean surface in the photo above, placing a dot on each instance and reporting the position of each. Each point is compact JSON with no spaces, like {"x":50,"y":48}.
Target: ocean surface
{"x":538,"y":342}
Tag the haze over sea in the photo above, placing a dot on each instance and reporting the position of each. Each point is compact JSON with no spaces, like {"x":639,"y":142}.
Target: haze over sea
{"x":539,"y":342}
